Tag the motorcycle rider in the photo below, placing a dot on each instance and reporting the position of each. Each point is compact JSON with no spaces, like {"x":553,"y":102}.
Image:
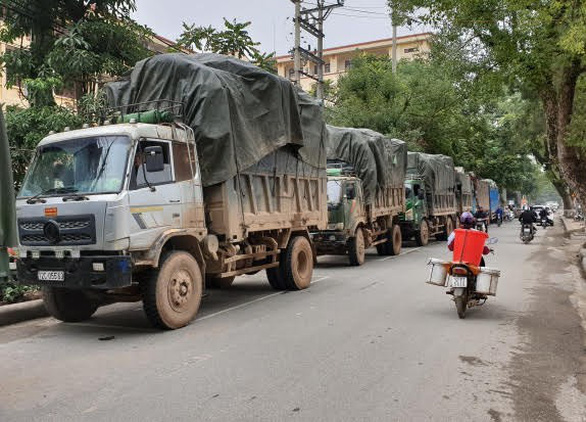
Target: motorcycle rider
{"x":499,"y":214}
{"x":481,"y":215}
{"x":528,"y":217}
{"x":467,"y":222}
{"x":543,"y":216}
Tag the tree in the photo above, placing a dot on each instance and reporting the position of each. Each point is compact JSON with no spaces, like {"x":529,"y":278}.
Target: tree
{"x":233,"y":40}
{"x":68,"y":38}
{"x":539,"y":46}
{"x":432,"y":106}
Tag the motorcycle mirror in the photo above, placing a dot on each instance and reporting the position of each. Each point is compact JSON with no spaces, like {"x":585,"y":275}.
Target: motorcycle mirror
{"x":492,"y":241}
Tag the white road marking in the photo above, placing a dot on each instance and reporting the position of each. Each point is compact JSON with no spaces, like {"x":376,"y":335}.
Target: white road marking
{"x":404,"y":253}
{"x":250,"y":302}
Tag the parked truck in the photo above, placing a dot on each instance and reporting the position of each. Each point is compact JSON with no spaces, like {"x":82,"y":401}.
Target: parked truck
{"x":148,"y":211}
{"x":464,"y":191}
{"x":494,"y":197}
{"x":481,"y":194}
{"x":366,"y":172}
{"x":431,"y":208}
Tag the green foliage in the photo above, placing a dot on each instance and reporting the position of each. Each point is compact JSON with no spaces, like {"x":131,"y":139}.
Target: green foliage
{"x":11,"y":292}
{"x":233,"y":40}
{"x":26,"y":127}
{"x":73,"y":44}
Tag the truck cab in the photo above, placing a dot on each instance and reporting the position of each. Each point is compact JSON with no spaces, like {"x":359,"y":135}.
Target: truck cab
{"x":99,"y":206}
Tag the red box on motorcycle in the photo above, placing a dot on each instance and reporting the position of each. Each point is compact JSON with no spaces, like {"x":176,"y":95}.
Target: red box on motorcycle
{"x":468,"y":246}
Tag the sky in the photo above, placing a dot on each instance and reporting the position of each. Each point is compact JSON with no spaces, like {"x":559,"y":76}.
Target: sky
{"x":357,"y":21}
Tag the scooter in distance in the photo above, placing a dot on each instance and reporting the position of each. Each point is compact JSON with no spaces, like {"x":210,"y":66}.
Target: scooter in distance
{"x":527,"y":233}
{"x":469,"y":284}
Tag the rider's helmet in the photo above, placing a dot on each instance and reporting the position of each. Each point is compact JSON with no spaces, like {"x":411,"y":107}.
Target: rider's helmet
{"x":467,"y":220}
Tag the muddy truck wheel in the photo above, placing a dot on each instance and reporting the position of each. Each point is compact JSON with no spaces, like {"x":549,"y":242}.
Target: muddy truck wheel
{"x":422,"y":235}
{"x":276,"y":278}
{"x":297,"y":264}
{"x":172,"y":295}
{"x":396,"y":241}
{"x":68,"y":305}
{"x":356,"y":252}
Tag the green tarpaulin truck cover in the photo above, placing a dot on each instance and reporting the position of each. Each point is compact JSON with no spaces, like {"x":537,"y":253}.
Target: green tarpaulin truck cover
{"x":377,"y":160}
{"x":239,"y":113}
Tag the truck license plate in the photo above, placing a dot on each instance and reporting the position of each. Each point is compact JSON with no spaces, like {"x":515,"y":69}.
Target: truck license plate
{"x":51,"y":275}
{"x":458,"y":282}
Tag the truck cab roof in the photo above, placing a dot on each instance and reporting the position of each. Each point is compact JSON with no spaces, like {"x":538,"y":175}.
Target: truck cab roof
{"x":170,"y":132}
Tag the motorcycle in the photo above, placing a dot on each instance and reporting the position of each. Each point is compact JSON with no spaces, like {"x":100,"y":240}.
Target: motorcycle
{"x":482,"y":225}
{"x":470,"y":285}
{"x":527,"y":233}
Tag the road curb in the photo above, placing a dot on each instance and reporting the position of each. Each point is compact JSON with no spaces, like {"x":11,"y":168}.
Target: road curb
{"x":18,"y":312}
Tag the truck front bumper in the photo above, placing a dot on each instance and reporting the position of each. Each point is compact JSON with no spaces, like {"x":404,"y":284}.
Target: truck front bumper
{"x":76,"y":273}
{"x":330,"y":243}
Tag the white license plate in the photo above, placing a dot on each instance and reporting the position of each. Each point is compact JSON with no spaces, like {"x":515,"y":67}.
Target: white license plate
{"x":526,"y":230}
{"x":458,"y":281}
{"x":51,"y":275}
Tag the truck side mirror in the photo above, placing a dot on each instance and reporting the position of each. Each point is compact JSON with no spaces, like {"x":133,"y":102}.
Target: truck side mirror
{"x":154,"y":159}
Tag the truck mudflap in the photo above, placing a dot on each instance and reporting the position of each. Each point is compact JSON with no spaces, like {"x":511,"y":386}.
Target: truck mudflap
{"x":86,"y":272}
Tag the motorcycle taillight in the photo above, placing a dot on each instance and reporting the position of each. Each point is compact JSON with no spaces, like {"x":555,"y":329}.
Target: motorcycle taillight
{"x":459,"y":271}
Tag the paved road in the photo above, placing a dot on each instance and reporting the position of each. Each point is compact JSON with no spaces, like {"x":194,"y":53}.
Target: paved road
{"x":374,"y":343}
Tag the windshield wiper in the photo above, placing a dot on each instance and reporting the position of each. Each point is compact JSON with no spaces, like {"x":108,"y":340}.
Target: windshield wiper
{"x":37,"y":198}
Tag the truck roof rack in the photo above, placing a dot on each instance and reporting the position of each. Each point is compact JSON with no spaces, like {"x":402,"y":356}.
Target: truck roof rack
{"x":157,"y":111}
{"x":340,"y":168}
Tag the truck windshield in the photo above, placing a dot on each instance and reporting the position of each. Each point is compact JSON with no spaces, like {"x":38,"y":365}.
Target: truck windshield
{"x":408,"y":191}
{"x":83,"y":165}
{"x":334,"y":192}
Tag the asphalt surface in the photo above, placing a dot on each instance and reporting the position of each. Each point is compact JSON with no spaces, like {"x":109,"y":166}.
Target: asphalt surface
{"x":373,"y":343}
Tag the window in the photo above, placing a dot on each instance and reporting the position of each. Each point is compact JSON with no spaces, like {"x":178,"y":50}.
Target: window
{"x":315,"y":70}
{"x":411,"y":50}
{"x":291,"y":73}
{"x":139,"y":175}
{"x":347,"y":65}
{"x":183,"y":167}
{"x":327,"y":68}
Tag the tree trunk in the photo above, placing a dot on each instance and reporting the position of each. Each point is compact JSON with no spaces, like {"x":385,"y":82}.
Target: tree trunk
{"x":558,"y":118}
{"x":562,"y":189}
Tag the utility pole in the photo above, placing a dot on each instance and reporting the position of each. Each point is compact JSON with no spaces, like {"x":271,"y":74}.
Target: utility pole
{"x":394,"y":51}
{"x":311,"y":21}
{"x":296,"y":55}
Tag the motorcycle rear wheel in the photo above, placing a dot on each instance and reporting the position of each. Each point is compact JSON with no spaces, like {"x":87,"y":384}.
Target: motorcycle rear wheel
{"x":461,"y":302}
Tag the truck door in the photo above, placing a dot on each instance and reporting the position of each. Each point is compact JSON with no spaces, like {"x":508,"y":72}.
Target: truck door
{"x":154,"y":198}
{"x":188,"y":178}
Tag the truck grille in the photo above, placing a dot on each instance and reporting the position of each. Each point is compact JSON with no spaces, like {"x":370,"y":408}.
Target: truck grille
{"x":73,"y":230}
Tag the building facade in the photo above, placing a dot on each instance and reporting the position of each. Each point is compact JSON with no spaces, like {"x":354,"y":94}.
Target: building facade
{"x":339,"y":59}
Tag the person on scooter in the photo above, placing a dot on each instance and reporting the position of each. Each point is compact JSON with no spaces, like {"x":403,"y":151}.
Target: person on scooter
{"x":528,"y":217}
{"x":467,"y":222}
{"x":482,"y":216}
{"x":543,"y":217}
{"x":499,"y":215}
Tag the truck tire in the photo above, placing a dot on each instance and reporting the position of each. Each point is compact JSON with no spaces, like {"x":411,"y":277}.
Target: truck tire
{"x":422,"y":235}
{"x":276,"y":278}
{"x":220,"y":283}
{"x":356,"y":252}
{"x":297,"y":264}
{"x":396,"y":241}
{"x":448,"y":228}
{"x":172,"y":295}
{"x":68,"y":305}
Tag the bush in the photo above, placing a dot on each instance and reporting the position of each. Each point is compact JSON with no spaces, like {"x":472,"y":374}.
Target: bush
{"x":11,"y":292}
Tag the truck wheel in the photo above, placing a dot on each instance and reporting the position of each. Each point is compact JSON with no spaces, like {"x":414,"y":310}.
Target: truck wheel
{"x":219,"y":283}
{"x":448,"y":229}
{"x":297,"y":266}
{"x":172,"y":295}
{"x":276,"y":278}
{"x":422,"y":236}
{"x":68,"y":305}
{"x":396,"y":241}
{"x":356,"y":253}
